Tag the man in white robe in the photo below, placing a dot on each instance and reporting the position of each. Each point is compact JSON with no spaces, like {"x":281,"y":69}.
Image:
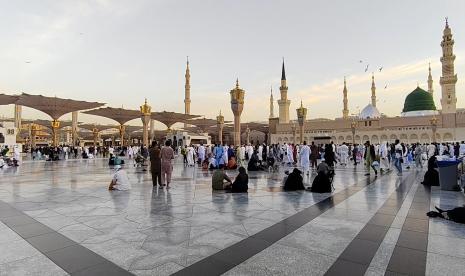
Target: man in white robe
{"x":431,"y":149}
{"x":225,"y":154}
{"x":201,"y":153}
{"x":344,"y":154}
{"x":260,"y":153}
{"x":120,"y":180}
{"x":242,"y":154}
{"x":190,"y":156}
{"x":305,"y":158}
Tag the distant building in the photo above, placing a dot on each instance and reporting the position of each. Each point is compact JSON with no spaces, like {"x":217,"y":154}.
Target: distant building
{"x":419,"y":121}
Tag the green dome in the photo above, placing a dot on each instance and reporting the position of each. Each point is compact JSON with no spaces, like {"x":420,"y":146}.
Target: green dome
{"x":417,"y":100}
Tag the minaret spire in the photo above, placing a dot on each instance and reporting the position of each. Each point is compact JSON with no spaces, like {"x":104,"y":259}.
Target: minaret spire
{"x":283,"y":102}
{"x":283,"y":72}
{"x":448,"y":78}
{"x":345,"y":111}
{"x":430,"y":80}
{"x":373,"y":90}
{"x":187,"y":90}
{"x":271,"y":104}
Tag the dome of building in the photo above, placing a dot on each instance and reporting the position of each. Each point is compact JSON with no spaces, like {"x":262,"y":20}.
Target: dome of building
{"x":369,"y":112}
{"x":419,"y":103}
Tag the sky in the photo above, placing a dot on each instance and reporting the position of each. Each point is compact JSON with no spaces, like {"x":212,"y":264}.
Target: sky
{"x":120,"y":52}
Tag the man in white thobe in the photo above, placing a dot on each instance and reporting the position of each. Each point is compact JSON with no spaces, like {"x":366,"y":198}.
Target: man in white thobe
{"x":305,"y":158}
{"x":201,"y":152}
{"x":344,"y":154}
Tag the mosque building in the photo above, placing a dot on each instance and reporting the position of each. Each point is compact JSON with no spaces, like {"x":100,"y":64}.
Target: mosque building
{"x":420,"y":120}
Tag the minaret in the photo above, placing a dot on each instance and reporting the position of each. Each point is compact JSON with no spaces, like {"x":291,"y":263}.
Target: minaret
{"x":271,"y":104}
{"x":373,"y":90}
{"x":187,"y":91}
{"x":345,"y":111}
{"x":430,"y":80}
{"x":448,"y":78}
{"x":283,"y":103}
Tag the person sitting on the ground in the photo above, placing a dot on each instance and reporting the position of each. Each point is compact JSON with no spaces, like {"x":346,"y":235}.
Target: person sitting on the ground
{"x":322,"y":183}
{"x":218,"y":179}
{"x":232,"y":165}
{"x":294,"y":181}
{"x":431,"y":175}
{"x":253,"y":162}
{"x":212,"y":163}
{"x":240,"y":184}
{"x":457,"y":214}
{"x":120,"y":180}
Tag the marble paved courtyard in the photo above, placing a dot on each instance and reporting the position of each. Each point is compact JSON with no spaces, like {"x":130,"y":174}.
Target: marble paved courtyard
{"x":59,"y":218}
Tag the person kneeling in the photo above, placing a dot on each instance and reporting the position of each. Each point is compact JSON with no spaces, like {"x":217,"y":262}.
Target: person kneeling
{"x":240,"y":184}
{"x":322,"y":183}
{"x":218,"y":179}
{"x":294,"y":181}
{"x":120,"y":180}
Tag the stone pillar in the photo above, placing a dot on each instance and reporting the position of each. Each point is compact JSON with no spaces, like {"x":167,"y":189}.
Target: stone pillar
{"x":220,"y":125}
{"x":33,"y":135}
{"x":294,"y":133}
{"x":145,"y":111}
{"x":247,"y":135}
{"x":353,"y":125}
{"x":122,"y":129}
{"x":18,"y":109}
{"x":74,"y":126}
{"x":237,"y":105}
{"x":434,"y":124}
{"x":95,"y":134}
{"x":55,"y":128}
{"x":152,"y":130}
{"x":301,"y":116}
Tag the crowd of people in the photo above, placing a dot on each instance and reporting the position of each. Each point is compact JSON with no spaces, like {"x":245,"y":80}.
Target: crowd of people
{"x":303,"y":159}
{"x":320,"y":159}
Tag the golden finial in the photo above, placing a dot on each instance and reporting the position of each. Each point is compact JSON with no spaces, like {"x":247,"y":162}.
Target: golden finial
{"x":220,"y":112}
{"x":237,"y":83}
{"x":301,"y":105}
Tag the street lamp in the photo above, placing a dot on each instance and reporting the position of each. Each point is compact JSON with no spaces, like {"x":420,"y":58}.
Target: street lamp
{"x":220,"y":125}
{"x":301,"y":115}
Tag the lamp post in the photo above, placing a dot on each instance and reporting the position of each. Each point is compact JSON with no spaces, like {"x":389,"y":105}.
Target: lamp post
{"x":294,"y":134}
{"x":145,"y":109}
{"x":353,"y":125}
{"x":220,"y":124}
{"x":301,"y":116}
{"x":237,"y":105}
{"x":434,"y":123}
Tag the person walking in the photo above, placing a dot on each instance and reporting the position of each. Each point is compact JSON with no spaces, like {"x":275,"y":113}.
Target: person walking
{"x":370,"y":158}
{"x":167,"y":154}
{"x":155,"y":164}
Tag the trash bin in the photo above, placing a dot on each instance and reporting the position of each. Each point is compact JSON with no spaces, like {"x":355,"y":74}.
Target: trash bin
{"x":448,"y":174}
